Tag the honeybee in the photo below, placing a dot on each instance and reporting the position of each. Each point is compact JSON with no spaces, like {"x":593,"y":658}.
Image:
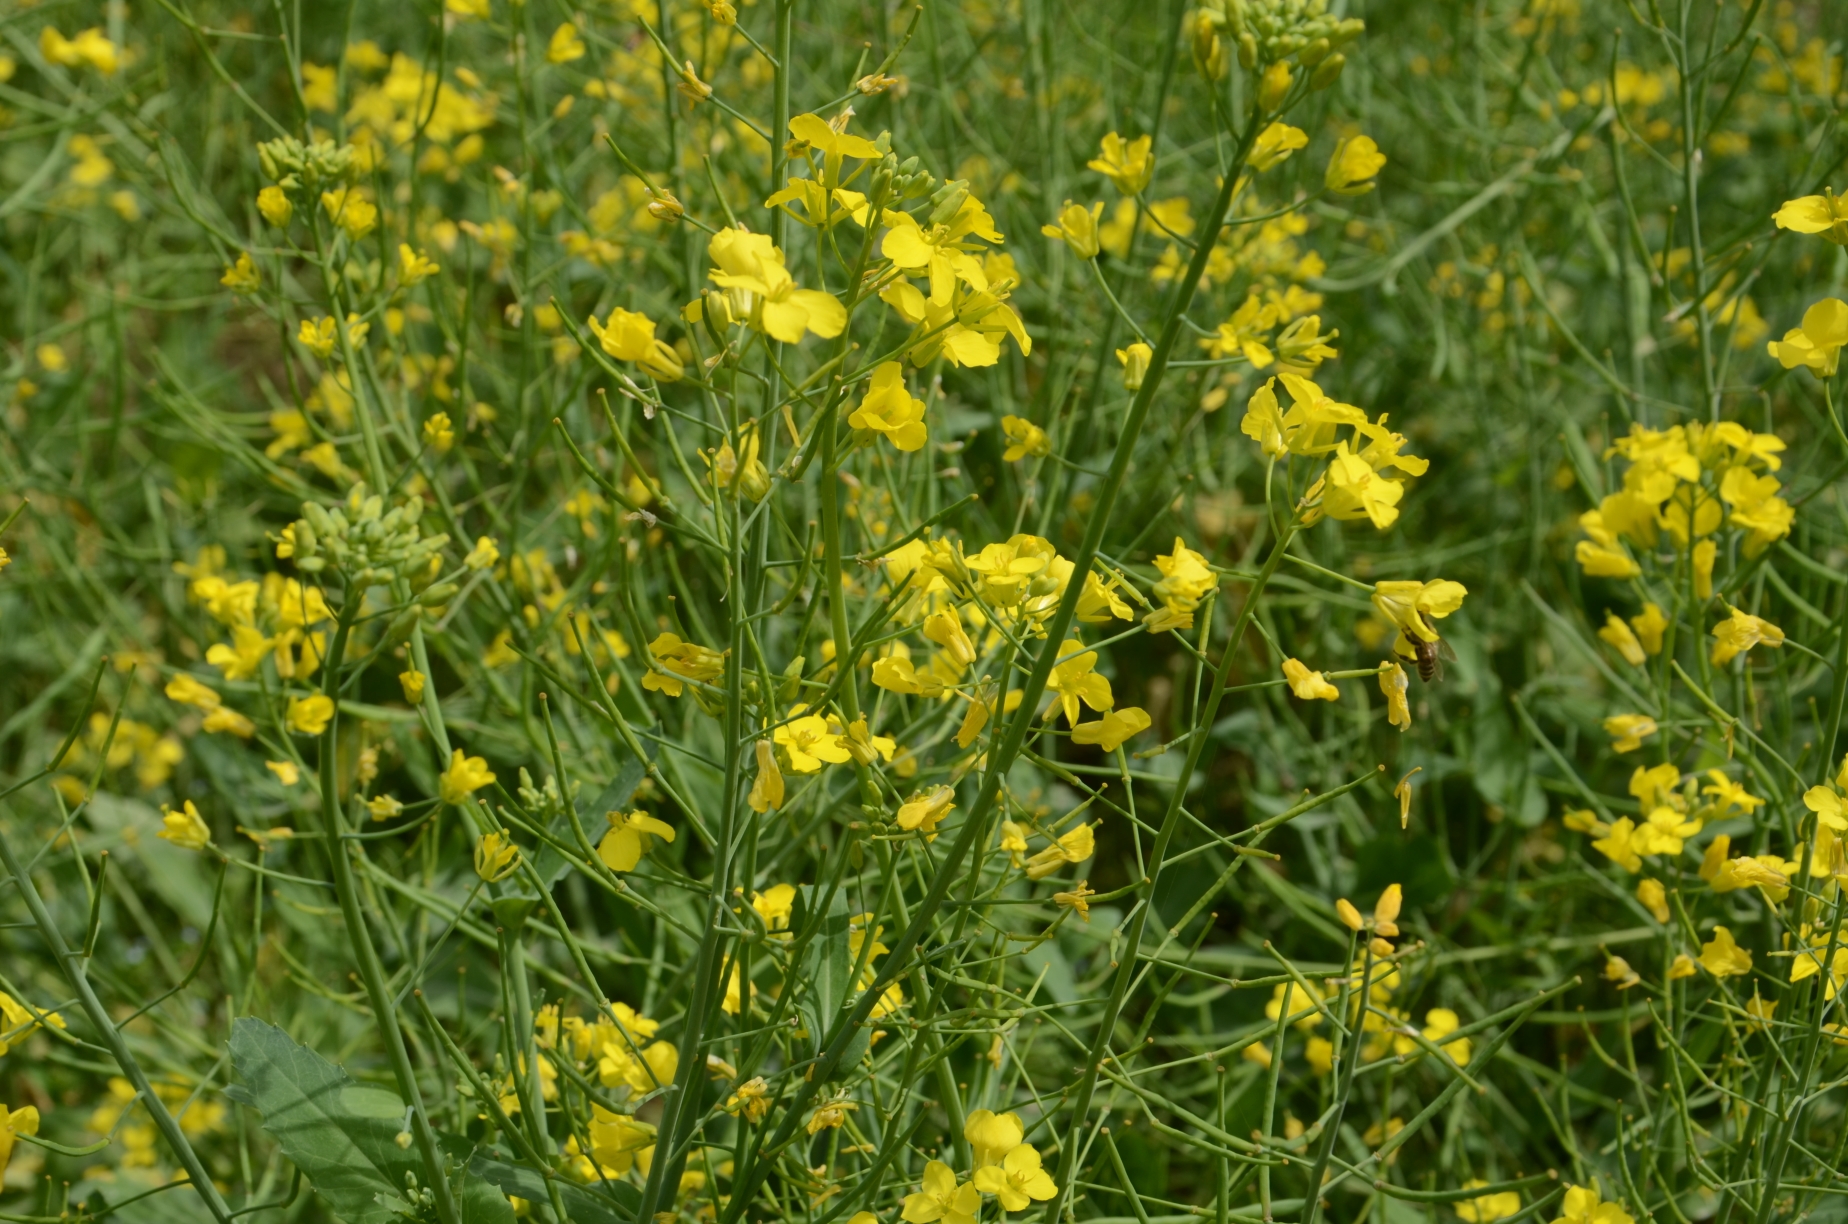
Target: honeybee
{"x":1429,"y":656}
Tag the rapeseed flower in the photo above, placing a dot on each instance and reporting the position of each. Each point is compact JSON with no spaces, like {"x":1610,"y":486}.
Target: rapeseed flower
{"x":1275,"y":144}
{"x":1355,"y":161}
{"x":1127,"y":163}
{"x":465,"y":776}
{"x":310,"y":715}
{"x":926,"y":809}
{"x":1628,"y":731}
{"x":1739,"y":633}
{"x":1581,"y":1206}
{"x":184,"y":828}
{"x":1816,"y":345}
{"x":763,"y":293}
{"x":1073,"y":846}
{"x":1018,"y":1181}
{"x":630,"y":336}
{"x":1075,"y":680}
{"x":1024,"y":438}
{"x":1722,"y":957}
{"x":86,"y":47}
{"x":1308,"y":685}
{"x":941,"y":1198}
{"x":621,"y":848}
{"x":1114,"y":729}
{"x":1077,"y":228}
{"x":496,"y":857}
{"x":890,"y":410}
{"x":1825,"y":214}
{"x":1486,"y":1208}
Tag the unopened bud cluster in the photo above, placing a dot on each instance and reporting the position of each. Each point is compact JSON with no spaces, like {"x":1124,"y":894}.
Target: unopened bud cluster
{"x":292,"y":163}
{"x":364,"y":541}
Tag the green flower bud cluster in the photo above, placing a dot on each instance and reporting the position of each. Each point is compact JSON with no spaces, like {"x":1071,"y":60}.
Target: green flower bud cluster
{"x":291,"y":163}
{"x":368,"y":544}
{"x":1271,"y":30}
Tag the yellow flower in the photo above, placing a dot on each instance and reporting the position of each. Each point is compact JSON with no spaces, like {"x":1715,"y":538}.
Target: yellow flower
{"x":834,"y":143}
{"x":898,"y":675}
{"x":565,"y":45}
{"x":1308,"y":685}
{"x":750,"y":268}
{"x":1440,"y":1022}
{"x":1722,"y":957}
{"x":1605,"y":560}
{"x":1628,"y":731}
{"x":465,"y":776}
{"x":87,"y":47}
{"x":680,"y":661}
{"x":351,"y":211}
{"x":21,"y":1121}
{"x":1617,"y":970}
{"x":1740,"y":633}
{"x":1077,"y":228}
{"x":630,"y":336}
{"x":241,"y":659}
{"x":992,"y":1136}
{"x":383,"y":807}
{"x":1274,"y":86}
{"x":775,"y":905}
{"x":1817,"y":344}
{"x":1352,"y":488}
{"x":1308,"y":428}
{"x":274,"y":203}
{"x":1683,"y":967}
{"x":1825,"y":214}
{"x":1413,"y":606}
{"x":1619,"y":636}
{"x":809,"y":742}
{"x":286,"y":771}
{"x":889,"y":409}
{"x":1395,"y":684}
{"x":1828,"y":806}
{"x":941,"y":1198}
{"x":1650,"y":626}
{"x":1275,"y":144}
{"x":1018,"y":1181}
{"x":1487,"y":1207}
{"x":242,"y":277}
{"x":1024,"y":439}
{"x":412,"y":682}
{"x":496,"y":857}
{"x":226,"y":719}
{"x":1655,"y":899}
{"x":483,"y":555}
{"x":1581,"y":1206}
{"x":767,"y":789}
{"x":414,"y":267}
{"x":184,"y":828}
{"x":750,"y":1100}
{"x":310,"y":715}
{"x":1135,"y":361}
{"x":1073,"y":846}
{"x":186,"y":690}
{"x":1290,"y":1002}
{"x":621,"y":848}
{"x":1074,"y":680}
{"x":926,"y":809}
{"x":1350,"y":171}
{"x":1113,"y":729}
{"x":1127,"y":163}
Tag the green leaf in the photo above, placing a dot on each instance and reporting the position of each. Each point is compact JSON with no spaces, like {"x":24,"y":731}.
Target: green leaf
{"x":584,"y":1204}
{"x":343,"y":1135}
{"x":827,"y":969}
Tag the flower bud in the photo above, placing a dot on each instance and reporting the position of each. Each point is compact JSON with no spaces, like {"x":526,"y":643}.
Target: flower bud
{"x":1077,"y":228}
{"x":1314,"y":53}
{"x":1328,"y":71}
{"x":1275,"y":87}
{"x":1135,"y":361}
{"x":1247,"y":52}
